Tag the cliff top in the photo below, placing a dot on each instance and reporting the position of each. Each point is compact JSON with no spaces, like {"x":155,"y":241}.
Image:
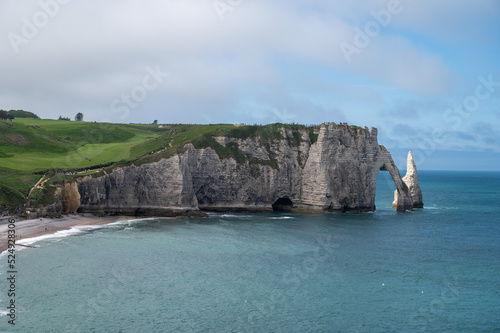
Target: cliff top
{"x":31,"y":148}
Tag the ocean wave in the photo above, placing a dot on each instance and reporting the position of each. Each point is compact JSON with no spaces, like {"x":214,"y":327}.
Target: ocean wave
{"x":3,"y":313}
{"x":76,"y":230}
{"x":234,"y":216}
{"x":282,"y":217}
{"x":59,"y":234}
{"x":124,"y":222}
{"x":131,"y":222}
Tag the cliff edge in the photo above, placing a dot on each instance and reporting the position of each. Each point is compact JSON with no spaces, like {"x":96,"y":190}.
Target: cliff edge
{"x":330,"y":167}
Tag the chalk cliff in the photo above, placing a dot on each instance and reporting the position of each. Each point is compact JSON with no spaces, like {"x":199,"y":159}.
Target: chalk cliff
{"x":331,"y":168}
{"x":411,"y":181}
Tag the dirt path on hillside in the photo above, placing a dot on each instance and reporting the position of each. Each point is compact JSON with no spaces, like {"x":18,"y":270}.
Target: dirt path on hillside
{"x":37,"y":185}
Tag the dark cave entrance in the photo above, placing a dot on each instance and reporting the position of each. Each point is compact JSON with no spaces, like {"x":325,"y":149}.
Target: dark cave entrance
{"x":283,"y":204}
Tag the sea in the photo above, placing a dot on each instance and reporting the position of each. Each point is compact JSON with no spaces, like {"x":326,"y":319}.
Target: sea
{"x":435,"y":269}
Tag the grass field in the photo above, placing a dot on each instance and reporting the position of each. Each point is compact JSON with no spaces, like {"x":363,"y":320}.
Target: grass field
{"x":85,"y":156}
{"x":33,"y":144}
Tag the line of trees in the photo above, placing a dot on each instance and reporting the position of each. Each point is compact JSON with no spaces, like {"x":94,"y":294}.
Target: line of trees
{"x":11,"y":114}
{"x":78,"y":117}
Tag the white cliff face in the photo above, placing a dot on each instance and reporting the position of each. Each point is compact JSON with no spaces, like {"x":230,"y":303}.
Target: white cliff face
{"x":411,"y":181}
{"x":340,"y":170}
{"x":150,"y":189}
{"x":337,"y":172}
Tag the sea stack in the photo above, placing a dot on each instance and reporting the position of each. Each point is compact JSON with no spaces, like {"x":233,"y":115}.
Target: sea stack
{"x":411,"y":181}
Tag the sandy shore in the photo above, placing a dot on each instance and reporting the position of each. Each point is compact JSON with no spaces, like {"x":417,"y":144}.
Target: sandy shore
{"x":38,"y":227}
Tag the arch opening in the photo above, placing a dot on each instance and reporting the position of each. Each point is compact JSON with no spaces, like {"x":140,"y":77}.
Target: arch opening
{"x":384,"y":191}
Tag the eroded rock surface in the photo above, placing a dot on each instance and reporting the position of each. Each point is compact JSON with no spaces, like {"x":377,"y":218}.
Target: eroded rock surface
{"x":335,"y":169}
{"x":411,"y":181}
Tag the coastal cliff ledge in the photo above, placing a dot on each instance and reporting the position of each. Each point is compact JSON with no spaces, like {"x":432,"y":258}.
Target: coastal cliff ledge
{"x":330,"y":167}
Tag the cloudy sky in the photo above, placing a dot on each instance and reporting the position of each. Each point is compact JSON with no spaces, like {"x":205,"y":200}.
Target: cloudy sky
{"x":425,"y":73}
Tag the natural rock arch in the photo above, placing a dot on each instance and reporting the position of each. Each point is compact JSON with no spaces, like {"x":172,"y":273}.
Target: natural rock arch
{"x":330,"y":168}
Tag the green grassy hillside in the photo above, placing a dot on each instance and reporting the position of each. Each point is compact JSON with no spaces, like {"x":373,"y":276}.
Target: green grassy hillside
{"x":30,"y":147}
{"x":31,"y":144}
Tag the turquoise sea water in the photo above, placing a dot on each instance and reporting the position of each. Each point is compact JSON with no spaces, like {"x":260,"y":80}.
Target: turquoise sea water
{"x":431,"y":270}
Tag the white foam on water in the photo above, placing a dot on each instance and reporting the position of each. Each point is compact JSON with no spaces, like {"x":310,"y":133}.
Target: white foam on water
{"x":226,"y":215}
{"x":59,"y":234}
{"x":76,"y":230}
{"x":282,"y":218}
{"x":3,"y":313}
{"x":120,"y":223}
{"x":134,"y":221}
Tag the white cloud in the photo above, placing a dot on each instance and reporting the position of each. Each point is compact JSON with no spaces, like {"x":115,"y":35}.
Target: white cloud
{"x":263,"y":56}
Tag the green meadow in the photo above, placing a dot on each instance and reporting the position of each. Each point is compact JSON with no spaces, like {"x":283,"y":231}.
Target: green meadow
{"x":85,"y":156}
{"x":31,"y":144}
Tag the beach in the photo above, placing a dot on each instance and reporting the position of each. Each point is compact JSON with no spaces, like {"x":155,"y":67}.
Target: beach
{"x":25,"y":229}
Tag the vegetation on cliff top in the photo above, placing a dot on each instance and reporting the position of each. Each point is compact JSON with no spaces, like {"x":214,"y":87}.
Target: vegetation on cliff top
{"x":63,"y":150}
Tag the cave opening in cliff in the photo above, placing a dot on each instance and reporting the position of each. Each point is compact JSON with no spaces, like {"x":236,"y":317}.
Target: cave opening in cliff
{"x":283,"y":204}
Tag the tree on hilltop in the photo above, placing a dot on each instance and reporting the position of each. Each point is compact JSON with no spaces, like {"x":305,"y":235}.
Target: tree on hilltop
{"x":79,"y":116}
{"x":5,"y":115}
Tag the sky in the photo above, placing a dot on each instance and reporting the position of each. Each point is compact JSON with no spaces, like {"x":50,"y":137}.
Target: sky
{"x":425,"y":73}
